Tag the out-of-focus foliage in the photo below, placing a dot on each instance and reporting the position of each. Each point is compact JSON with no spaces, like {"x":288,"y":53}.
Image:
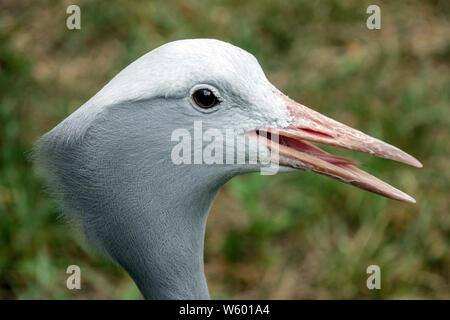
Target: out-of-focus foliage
{"x":288,"y":236}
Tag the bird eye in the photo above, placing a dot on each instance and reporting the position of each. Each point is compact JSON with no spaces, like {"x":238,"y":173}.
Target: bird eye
{"x":205,"y":98}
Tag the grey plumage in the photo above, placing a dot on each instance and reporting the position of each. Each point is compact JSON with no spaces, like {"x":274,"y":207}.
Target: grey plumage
{"x":109,"y":162}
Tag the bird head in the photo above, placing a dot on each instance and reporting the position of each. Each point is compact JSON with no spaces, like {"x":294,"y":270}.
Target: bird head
{"x":158,"y":100}
{"x":221,"y":87}
{"x":139,"y":164}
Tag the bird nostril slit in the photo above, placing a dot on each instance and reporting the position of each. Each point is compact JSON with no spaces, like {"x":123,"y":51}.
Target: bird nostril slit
{"x":265,"y":134}
{"x":316,"y":132}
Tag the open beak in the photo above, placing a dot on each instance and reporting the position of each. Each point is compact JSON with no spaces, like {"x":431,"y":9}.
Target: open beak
{"x":293,"y":150}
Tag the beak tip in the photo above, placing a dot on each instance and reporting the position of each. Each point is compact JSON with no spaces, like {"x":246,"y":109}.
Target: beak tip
{"x":414,"y":162}
{"x":418,"y":164}
{"x":408,"y":159}
{"x":406,"y":198}
{"x":404,"y":157}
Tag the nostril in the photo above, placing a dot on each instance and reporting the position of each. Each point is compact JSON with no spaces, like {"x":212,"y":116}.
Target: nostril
{"x":264,"y":134}
{"x":316,"y":132}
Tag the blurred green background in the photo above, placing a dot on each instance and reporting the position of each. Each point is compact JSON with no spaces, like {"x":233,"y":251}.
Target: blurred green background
{"x":296,"y":236}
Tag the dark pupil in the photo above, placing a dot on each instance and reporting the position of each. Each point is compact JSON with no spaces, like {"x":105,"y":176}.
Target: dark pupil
{"x":205,"y":98}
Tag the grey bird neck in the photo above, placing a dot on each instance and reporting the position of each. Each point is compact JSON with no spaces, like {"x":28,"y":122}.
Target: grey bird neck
{"x":147,"y":213}
{"x":110,"y":161}
{"x":160,"y":242}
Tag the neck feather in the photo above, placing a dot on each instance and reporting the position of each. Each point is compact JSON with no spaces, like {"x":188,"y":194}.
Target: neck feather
{"x":157,"y":234}
{"x":146,"y":212}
